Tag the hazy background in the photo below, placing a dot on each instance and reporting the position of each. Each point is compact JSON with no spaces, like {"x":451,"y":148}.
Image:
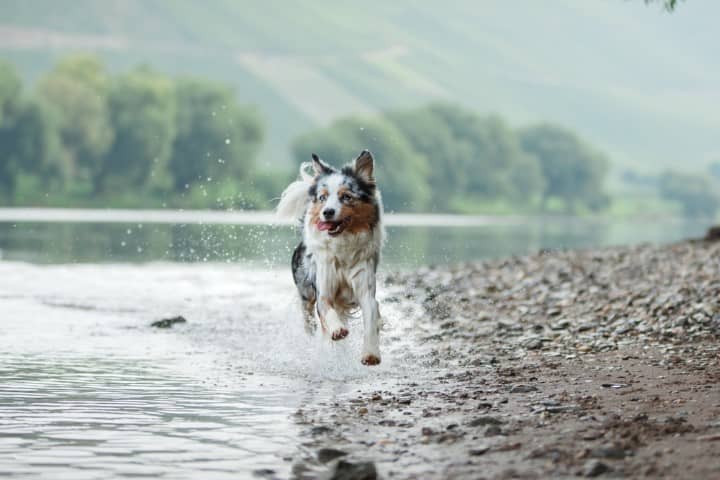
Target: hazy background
{"x":471,"y":107}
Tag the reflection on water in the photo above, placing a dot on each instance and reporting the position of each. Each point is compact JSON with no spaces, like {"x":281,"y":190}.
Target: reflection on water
{"x":264,"y":245}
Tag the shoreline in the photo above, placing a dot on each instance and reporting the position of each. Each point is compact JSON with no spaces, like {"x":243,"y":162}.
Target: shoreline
{"x":267,"y":217}
{"x":572,"y":364}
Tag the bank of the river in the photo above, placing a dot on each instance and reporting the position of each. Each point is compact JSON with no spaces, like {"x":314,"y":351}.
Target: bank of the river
{"x":557,"y":365}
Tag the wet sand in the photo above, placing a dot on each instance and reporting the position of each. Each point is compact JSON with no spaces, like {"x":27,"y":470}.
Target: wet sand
{"x":592,"y":363}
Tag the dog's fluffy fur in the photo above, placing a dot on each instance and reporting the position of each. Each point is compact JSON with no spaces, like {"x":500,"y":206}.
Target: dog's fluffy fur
{"x":334,"y":265}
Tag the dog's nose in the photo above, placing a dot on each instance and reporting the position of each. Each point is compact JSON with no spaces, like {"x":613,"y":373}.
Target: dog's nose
{"x":329,"y":212}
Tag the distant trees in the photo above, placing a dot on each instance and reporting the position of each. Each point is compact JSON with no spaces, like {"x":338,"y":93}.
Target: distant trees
{"x":142,"y":115}
{"x":76,"y":94}
{"x":139,"y":132}
{"x":215,"y":135}
{"x":28,"y":137}
{"x":447,"y":158}
{"x":573,"y":171}
{"x":695,"y":193}
{"x":469,"y":155}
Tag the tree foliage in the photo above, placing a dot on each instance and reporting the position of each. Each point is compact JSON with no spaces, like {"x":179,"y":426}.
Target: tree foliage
{"x":215,"y":136}
{"x":695,"y":193}
{"x":142,"y":115}
{"x":573,"y":171}
{"x":136,"y":134}
{"x":474,"y":155}
{"x":76,"y":91}
{"x":447,"y":158}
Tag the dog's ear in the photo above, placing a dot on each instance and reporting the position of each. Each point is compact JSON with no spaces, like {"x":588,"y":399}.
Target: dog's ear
{"x":364,"y":166}
{"x":320,"y":167}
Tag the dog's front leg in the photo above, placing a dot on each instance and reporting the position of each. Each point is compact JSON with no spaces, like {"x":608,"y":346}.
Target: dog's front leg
{"x":329,"y":319}
{"x":363,"y":283}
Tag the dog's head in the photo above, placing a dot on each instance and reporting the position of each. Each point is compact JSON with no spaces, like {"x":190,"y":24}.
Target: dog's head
{"x":344,"y":200}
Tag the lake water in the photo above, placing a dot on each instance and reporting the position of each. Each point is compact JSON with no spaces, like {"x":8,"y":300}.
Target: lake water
{"x":89,"y":390}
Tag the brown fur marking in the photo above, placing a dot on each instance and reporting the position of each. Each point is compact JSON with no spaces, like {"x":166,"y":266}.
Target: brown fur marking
{"x":363,"y":216}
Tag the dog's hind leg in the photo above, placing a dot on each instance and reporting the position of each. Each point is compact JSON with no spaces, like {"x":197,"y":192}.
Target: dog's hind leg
{"x":305,"y":282}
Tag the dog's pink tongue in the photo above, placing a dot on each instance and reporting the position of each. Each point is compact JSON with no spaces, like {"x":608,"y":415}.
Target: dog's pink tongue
{"x":325,"y":225}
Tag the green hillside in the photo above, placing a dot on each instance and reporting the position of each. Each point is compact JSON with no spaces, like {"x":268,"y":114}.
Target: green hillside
{"x":634,"y":80}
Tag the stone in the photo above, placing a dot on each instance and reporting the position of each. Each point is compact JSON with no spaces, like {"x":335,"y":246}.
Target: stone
{"x":168,"y":322}
{"x":523,"y":389}
{"x":345,"y":470}
{"x":326,"y":455}
{"x":594,"y":468}
{"x":485,"y":420}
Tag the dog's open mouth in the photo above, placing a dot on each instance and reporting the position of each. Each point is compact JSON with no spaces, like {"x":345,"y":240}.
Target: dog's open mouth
{"x":333,"y":228}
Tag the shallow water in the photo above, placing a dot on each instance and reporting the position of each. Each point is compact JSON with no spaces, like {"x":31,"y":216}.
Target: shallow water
{"x":89,"y":390}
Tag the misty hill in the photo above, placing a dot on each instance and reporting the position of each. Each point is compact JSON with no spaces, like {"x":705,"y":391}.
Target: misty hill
{"x":638,"y":82}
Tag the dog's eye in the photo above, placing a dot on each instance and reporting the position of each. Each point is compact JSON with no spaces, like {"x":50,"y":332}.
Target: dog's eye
{"x":322,"y":197}
{"x":345,"y":197}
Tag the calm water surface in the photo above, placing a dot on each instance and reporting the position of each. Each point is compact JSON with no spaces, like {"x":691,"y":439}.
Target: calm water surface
{"x":89,"y":390}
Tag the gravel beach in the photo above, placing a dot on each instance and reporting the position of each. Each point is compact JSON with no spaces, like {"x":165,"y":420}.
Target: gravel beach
{"x":563,"y":364}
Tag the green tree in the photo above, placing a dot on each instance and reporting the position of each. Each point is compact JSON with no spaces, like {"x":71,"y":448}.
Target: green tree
{"x":10,"y":89}
{"x":470,"y":154}
{"x":29,"y":143}
{"x":695,"y":193}
{"x":573,"y":171}
{"x":77,"y":92}
{"x":142,"y":115}
{"x":402,"y":173}
{"x":215,"y":136}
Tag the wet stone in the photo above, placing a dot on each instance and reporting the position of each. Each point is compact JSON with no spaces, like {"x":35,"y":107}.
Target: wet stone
{"x":611,"y":452}
{"x":523,"y":389}
{"x":320,"y":430}
{"x":594,"y":468}
{"x":168,"y":322}
{"x":480,"y":450}
{"x":345,"y":470}
{"x":485,"y":420}
{"x":326,"y":455}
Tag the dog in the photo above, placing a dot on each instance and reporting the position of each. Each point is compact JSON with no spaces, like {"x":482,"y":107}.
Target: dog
{"x":334,"y":266}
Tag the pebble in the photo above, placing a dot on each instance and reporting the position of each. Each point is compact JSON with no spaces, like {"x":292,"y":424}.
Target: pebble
{"x":595,"y":468}
{"x":168,"y":322}
{"x":485,"y":420}
{"x":326,"y":455}
{"x":345,"y":470}
{"x":523,"y":389}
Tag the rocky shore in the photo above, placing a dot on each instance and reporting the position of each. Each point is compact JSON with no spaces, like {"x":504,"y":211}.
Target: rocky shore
{"x":564,"y":364}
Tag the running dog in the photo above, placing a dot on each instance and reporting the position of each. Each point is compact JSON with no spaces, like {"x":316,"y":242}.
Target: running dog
{"x":334,"y":265}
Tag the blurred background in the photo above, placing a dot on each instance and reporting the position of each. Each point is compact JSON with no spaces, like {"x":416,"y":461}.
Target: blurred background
{"x":605,"y":109}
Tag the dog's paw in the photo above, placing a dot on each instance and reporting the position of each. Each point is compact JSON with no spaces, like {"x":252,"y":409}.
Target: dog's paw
{"x":370,"y":359}
{"x":339,"y":333}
